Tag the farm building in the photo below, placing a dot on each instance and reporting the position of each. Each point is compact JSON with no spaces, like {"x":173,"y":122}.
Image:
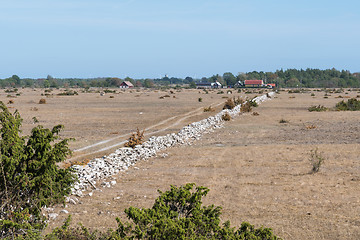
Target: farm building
{"x":203,"y":85}
{"x":254,"y":83}
{"x":126,"y":84}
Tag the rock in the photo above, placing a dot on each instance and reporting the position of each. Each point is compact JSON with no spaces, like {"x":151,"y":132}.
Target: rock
{"x":113,"y":182}
{"x":53,"y":216}
{"x":64,"y":211}
{"x":72,"y":201}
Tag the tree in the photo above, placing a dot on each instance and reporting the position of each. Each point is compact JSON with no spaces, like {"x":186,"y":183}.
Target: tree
{"x":148,"y":83}
{"x":192,"y":85}
{"x":30,"y":178}
{"x":229,"y":78}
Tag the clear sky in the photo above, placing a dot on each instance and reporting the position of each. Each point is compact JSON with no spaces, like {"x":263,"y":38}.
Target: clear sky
{"x":151,"y":38}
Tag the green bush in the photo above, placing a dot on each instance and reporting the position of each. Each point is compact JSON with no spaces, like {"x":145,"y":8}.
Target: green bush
{"x":351,"y":105}
{"x":30,"y":178}
{"x":318,"y":108}
{"x":176,"y":214}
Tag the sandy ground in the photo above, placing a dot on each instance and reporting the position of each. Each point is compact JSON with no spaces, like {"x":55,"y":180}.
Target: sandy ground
{"x":257,"y":169}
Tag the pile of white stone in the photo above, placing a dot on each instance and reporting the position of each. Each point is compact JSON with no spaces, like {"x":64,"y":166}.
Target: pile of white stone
{"x":99,"y":169}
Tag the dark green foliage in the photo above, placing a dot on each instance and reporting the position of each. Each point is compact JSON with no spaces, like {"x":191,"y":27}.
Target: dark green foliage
{"x":351,"y":105}
{"x":179,"y":214}
{"x":30,"y":178}
{"x":318,"y":108}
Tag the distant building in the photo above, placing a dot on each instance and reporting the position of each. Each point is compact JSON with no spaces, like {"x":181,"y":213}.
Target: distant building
{"x":271,"y":85}
{"x":254,"y":83}
{"x":126,"y":84}
{"x":204,"y":85}
{"x":216,"y":85}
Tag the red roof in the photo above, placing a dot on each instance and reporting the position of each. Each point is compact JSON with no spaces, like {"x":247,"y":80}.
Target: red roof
{"x":254,"y":82}
{"x":271,"y":84}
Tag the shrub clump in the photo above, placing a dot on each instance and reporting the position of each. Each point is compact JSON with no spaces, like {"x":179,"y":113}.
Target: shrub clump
{"x":30,"y":177}
{"x":318,"y":108}
{"x":209,"y":109}
{"x":42,"y":101}
{"x":176,"y":214}
{"x":135,"y":139}
{"x":68,"y":93}
{"x":351,"y":105}
{"x":226,"y":117}
{"x":316,"y":159}
{"x":229,"y":104}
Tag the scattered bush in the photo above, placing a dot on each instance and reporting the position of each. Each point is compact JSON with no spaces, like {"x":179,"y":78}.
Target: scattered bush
{"x":351,"y":105}
{"x":283,"y":121}
{"x":229,"y":104}
{"x":109,"y":91}
{"x":199,"y":99}
{"x":209,"y":109}
{"x":42,"y":101}
{"x":246,"y":107}
{"x":253,"y":103}
{"x":220,"y":92}
{"x":112,"y":97}
{"x":135,"y":139}
{"x":318,"y":108}
{"x":255,"y":114}
{"x":226,"y":117}
{"x":312,"y":94}
{"x":11,"y":90}
{"x":11,"y":101}
{"x":30,"y":177}
{"x":316,"y":159}
{"x":238,"y":101}
{"x":312,"y":126}
{"x":68,"y":93}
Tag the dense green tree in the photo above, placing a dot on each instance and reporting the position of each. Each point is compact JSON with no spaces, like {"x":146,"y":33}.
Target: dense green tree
{"x":30,"y":177}
{"x":229,"y":79}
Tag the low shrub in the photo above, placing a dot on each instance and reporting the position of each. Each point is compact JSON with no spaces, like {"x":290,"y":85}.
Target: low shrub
{"x":199,"y":99}
{"x":238,"y":101}
{"x":11,"y":101}
{"x":318,"y":108}
{"x":220,"y":92}
{"x":209,"y":109}
{"x":351,"y":105}
{"x":109,"y":91}
{"x":229,"y":104}
{"x":283,"y":121}
{"x":316,"y":159}
{"x":68,"y":93}
{"x":42,"y":101}
{"x":246,"y":107}
{"x":255,"y":114}
{"x":226,"y":117}
{"x":135,"y":139}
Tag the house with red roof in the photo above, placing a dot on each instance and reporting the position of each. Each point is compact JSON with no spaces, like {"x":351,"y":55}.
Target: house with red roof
{"x":126,"y":84}
{"x":254,"y":83}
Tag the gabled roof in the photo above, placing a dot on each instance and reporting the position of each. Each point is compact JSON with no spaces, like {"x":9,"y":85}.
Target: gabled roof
{"x":127,"y":83}
{"x":254,"y":82}
{"x":203,"y":84}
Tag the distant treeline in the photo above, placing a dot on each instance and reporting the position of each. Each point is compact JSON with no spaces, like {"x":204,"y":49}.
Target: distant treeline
{"x":329,"y":78}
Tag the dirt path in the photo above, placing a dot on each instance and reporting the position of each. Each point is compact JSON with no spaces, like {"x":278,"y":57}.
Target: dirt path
{"x":175,"y":122}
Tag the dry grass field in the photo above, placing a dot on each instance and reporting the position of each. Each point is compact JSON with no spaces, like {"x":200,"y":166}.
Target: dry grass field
{"x":257,"y":168}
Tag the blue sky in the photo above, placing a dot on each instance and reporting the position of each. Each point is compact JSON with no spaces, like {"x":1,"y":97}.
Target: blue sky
{"x":139,"y":38}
